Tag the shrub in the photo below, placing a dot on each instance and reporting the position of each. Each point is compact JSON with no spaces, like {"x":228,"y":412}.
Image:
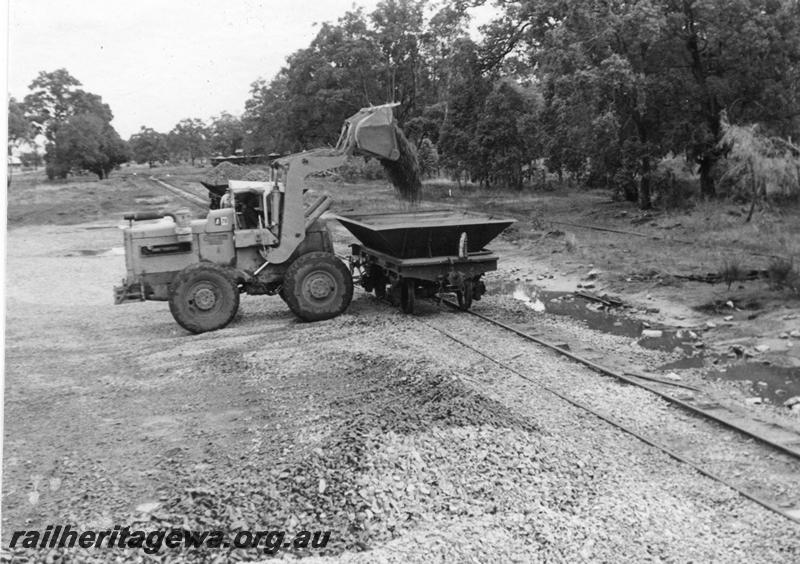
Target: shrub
{"x":56,"y":170}
{"x":672,"y":192}
{"x":783,"y":274}
{"x":358,"y":168}
{"x":731,"y":270}
{"x":428,"y":157}
{"x":758,"y":165}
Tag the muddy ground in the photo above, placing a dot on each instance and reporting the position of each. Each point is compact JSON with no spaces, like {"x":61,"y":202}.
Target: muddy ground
{"x":373,"y":425}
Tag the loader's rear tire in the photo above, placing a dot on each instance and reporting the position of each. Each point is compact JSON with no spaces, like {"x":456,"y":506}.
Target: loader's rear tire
{"x":203,"y":297}
{"x":317,"y":286}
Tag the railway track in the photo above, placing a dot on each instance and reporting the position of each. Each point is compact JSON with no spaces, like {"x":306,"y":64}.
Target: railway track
{"x":762,"y":465}
{"x":757,"y":467}
{"x":180,"y":192}
{"x":143,"y":182}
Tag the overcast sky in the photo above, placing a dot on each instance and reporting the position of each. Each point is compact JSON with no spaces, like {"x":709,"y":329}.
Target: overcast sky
{"x":156,"y":62}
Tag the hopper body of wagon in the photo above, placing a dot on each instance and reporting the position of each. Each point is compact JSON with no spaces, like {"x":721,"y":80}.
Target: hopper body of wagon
{"x":424,"y":253}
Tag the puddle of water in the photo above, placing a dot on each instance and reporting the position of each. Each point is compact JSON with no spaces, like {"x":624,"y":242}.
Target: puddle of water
{"x":774,"y":384}
{"x":696,"y":361}
{"x":532,"y":302}
{"x":568,"y":304}
{"x":669,"y":341}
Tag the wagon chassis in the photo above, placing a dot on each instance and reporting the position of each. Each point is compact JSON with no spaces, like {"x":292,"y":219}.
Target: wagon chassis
{"x":409,"y":278}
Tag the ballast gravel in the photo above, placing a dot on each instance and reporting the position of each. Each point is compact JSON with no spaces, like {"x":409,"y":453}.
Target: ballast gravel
{"x":401,"y":442}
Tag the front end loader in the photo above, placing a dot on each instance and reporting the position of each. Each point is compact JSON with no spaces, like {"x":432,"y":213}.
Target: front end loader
{"x":265,"y":238}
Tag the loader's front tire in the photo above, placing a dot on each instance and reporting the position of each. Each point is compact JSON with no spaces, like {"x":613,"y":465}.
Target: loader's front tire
{"x":203,"y":297}
{"x":317,"y":286}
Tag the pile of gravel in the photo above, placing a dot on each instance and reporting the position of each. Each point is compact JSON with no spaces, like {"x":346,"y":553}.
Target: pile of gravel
{"x":257,"y":175}
{"x":340,"y":480}
{"x":226,"y":171}
{"x":223,"y":172}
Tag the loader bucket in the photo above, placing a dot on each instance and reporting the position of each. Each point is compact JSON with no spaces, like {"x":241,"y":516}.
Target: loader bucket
{"x":370,"y":131}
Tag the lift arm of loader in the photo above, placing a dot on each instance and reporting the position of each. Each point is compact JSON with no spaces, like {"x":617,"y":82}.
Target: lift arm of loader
{"x":369,"y":132}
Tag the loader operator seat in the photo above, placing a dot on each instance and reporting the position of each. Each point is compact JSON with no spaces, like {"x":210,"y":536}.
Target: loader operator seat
{"x":249,"y":214}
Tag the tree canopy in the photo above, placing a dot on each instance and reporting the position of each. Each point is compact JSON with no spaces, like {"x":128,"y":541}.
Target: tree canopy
{"x":20,"y":128}
{"x":86,"y":141}
{"x":76,"y":124}
{"x":149,"y":146}
{"x":189,"y":139}
{"x":597,"y":89}
{"x":628,"y":82}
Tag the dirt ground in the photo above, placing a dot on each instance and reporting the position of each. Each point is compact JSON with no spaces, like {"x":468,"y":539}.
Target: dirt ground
{"x":373,"y":425}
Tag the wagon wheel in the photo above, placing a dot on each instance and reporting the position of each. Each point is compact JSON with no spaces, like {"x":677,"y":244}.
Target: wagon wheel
{"x":465,"y":295}
{"x":407,"y":295}
{"x":375,"y":280}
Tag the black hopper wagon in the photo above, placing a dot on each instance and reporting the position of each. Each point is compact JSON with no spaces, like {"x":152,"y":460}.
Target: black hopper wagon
{"x":403,"y":256}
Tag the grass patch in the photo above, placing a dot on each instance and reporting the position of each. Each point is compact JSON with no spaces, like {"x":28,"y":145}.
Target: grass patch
{"x":35,"y":200}
{"x":719,"y":306}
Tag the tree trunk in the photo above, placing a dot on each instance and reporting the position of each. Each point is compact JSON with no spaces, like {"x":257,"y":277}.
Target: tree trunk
{"x":709,"y":107}
{"x":707,"y":188}
{"x":645,"y":202}
{"x":630,"y":192}
{"x":643,"y":190}
{"x":754,"y":187}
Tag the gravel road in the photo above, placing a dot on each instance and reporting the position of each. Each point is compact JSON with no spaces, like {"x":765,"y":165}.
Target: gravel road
{"x":373,"y":425}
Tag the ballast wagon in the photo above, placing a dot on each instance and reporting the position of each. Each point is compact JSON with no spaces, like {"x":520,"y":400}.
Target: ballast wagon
{"x":403,"y":256}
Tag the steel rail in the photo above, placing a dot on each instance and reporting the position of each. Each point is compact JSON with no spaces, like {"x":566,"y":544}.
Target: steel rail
{"x":633,"y":381}
{"x":621,"y":426}
{"x":180,"y":192}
